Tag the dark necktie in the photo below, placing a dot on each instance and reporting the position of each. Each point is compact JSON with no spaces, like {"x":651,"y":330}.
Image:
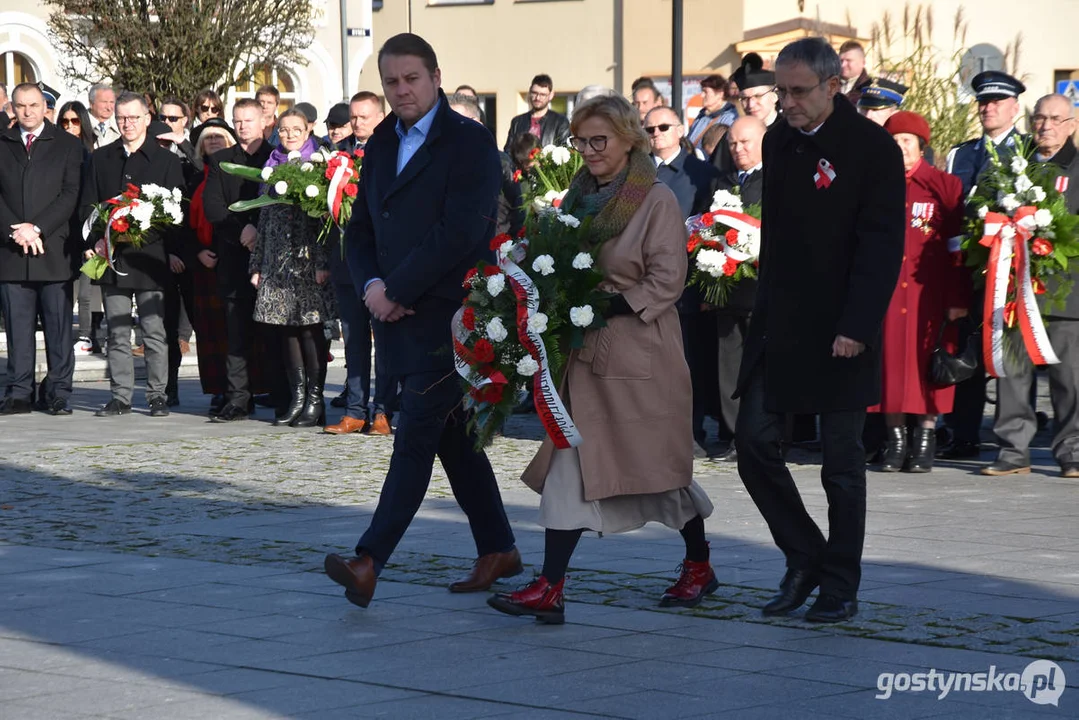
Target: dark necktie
{"x":743,"y":175}
{"x":29,"y":141}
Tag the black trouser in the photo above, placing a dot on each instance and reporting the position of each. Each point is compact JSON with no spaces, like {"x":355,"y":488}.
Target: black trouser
{"x":179,"y":303}
{"x":431,"y":423}
{"x":21,"y":302}
{"x":965,"y":419}
{"x":1015,"y":422}
{"x":769,"y":482}
{"x":731,"y":329}
{"x":240,"y":329}
{"x":699,"y":344}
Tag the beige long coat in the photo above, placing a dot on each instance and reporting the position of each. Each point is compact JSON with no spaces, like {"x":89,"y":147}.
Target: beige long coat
{"x":628,"y":388}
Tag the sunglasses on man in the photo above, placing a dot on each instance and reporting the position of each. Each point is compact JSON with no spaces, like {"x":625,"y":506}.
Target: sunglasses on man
{"x":651,"y":129}
{"x":169,"y":118}
{"x":210,"y":109}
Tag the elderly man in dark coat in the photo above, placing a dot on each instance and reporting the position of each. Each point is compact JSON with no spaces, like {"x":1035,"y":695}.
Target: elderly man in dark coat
{"x":832,"y":244}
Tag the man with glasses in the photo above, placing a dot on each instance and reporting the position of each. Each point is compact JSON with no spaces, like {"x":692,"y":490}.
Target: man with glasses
{"x":758,"y":98}
{"x":690,"y":179}
{"x":715,"y":111}
{"x":102,"y":104}
{"x":40,"y":172}
{"x":141,"y":272}
{"x":998,"y":109}
{"x":550,"y":127}
{"x":1015,"y":422}
{"x":834,"y":222}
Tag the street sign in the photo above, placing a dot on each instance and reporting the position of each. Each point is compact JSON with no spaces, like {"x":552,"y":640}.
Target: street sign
{"x":1070,"y":90}
{"x":359,"y":32}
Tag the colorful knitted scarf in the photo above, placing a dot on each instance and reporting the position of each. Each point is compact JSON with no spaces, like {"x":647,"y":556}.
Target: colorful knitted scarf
{"x":611,"y":206}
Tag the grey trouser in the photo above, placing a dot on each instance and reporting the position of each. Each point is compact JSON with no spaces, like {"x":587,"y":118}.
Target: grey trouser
{"x":151,"y":304}
{"x":1015,"y":423}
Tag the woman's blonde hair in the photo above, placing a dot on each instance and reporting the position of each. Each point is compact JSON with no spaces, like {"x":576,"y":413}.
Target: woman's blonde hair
{"x":207,"y":132}
{"x":619,"y":114}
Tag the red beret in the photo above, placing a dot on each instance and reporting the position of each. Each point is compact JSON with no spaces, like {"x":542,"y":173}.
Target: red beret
{"x":905,"y":121}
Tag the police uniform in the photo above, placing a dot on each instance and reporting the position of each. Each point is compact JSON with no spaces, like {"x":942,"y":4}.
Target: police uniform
{"x":967,"y":161}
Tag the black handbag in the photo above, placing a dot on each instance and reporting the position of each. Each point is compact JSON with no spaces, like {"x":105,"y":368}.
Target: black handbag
{"x":947,"y":369}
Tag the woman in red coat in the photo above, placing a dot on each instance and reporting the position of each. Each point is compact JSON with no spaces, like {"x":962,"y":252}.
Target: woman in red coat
{"x":933,"y":286}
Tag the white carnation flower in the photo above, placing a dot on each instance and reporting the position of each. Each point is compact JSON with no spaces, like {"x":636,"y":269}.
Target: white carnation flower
{"x":294,"y":155}
{"x":544,"y":265}
{"x":1019,"y":165}
{"x":1043,"y":218}
{"x":150,"y":191}
{"x":317,"y":157}
{"x":538,"y":323}
{"x":560,"y":155}
{"x":495,"y":329}
{"x":1010,"y":203}
{"x":1023,"y":183}
{"x":496,"y":284}
{"x":142,"y":213}
{"x":568,"y":220}
{"x":307,"y":167}
{"x":177,"y":195}
{"x":725,"y":200}
{"x":582,"y":316}
{"x":1037,"y":194}
{"x":173,"y":210}
{"x":310,"y":191}
{"x":711,"y":261}
{"x":582,"y":261}
{"x":983,"y":211}
{"x":280,"y":187}
{"x":527,"y":366}
{"x":266,"y":173}
{"x":505,"y":248}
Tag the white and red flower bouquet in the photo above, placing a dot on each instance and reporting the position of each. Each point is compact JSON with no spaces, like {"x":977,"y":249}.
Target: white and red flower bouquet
{"x":553,"y":168}
{"x":522,"y":316}
{"x":1021,"y":241}
{"x":724,"y":244}
{"x":127,"y":218}
{"x":324,"y":186}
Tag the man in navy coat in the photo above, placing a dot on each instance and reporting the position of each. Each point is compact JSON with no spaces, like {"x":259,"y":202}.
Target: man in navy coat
{"x":423,"y":216}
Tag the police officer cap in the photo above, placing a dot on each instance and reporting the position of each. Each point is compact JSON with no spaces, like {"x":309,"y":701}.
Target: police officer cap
{"x":50,"y":93}
{"x":882,"y":93}
{"x":995,"y":85}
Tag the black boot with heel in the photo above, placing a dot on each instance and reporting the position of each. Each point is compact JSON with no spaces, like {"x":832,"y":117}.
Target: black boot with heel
{"x":895,"y":449}
{"x":297,"y":387}
{"x":922,"y":449}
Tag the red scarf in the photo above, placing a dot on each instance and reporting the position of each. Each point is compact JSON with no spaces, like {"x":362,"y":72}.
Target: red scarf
{"x":204,"y":231}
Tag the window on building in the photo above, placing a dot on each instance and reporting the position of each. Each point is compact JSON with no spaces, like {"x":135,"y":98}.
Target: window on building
{"x":277,"y":77}
{"x":17,"y":68}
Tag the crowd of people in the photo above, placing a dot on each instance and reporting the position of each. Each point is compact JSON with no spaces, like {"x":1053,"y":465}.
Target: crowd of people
{"x":861,"y":278}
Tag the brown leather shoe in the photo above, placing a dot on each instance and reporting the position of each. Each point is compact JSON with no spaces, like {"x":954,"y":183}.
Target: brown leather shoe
{"x":139,"y":351}
{"x":346,"y":426}
{"x":487,"y":569}
{"x":380,"y":426}
{"x":355,"y":574}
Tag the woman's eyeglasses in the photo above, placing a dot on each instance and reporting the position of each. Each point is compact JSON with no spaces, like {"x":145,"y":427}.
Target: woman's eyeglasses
{"x":67,"y":122}
{"x":169,"y":118}
{"x":597,"y":142}
{"x":210,"y":109}
{"x":651,"y":129}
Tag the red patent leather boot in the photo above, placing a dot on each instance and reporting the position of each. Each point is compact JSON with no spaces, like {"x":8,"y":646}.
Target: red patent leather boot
{"x":697,"y":580}
{"x":539,"y":599}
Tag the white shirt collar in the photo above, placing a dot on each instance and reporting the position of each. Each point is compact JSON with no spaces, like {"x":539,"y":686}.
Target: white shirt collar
{"x":1003,"y":136}
{"x":668,"y":161}
{"x":36,"y":132}
{"x":755,"y":168}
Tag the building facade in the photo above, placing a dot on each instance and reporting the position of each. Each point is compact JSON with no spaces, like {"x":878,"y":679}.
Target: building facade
{"x":496,"y":46}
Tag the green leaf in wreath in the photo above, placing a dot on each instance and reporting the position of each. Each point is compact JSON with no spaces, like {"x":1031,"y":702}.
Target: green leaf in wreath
{"x":248,"y":173}
{"x":256,"y":203}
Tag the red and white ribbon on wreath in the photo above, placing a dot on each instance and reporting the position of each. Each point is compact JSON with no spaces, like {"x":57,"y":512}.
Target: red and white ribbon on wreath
{"x":1007,"y":240}
{"x":740,"y":222}
{"x":341,"y":175}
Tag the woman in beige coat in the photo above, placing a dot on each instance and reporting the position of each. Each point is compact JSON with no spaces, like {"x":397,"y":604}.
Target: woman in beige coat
{"x":628,"y":388}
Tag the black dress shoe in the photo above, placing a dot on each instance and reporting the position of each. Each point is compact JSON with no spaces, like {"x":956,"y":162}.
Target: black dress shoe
{"x":793,"y":592}
{"x":172,"y":399}
{"x":217,"y":402}
{"x":1003,"y":467}
{"x":112,"y":408}
{"x":831,"y":609}
{"x":13,"y":406}
{"x":159,"y":407}
{"x":229,"y":413}
{"x":58,"y":407}
{"x":340,"y":401}
{"x":731,"y":455}
{"x":961,"y":451}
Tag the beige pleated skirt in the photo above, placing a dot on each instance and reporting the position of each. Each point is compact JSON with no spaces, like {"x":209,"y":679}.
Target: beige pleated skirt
{"x":563,"y":507}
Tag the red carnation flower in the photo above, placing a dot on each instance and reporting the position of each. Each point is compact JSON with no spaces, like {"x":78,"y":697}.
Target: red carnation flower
{"x":694,"y":243}
{"x":712,"y":244}
{"x":490,"y":270}
{"x":350,"y":190}
{"x":359,"y":152}
{"x":468,"y":277}
{"x":708,"y":219}
{"x":329,"y":173}
{"x":534,"y":154}
{"x":120,"y":225}
{"x":490,"y":394}
{"x":731,"y":236}
{"x":468,"y":319}
{"x":1041,"y":246}
{"x":497,"y":240}
{"x":730,"y":267}
{"x":484,"y":351}
{"x":517,"y":175}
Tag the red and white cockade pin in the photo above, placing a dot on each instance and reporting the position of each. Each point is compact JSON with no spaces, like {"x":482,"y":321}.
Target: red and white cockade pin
{"x":825,"y":174}
{"x":1062,"y":183}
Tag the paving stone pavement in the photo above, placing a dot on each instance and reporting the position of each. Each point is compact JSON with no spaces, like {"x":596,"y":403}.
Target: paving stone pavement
{"x":171,"y":568}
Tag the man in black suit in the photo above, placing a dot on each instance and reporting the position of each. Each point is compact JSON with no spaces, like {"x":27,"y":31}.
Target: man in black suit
{"x":550,"y":127}
{"x":40,"y":172}
{"x":234,"y":237}
{"x":424,"y":215}
{"x":834,"y":220}
{"x":1015,"y":422}
{"x":140,"y":272}
{"x":746,"y":140}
